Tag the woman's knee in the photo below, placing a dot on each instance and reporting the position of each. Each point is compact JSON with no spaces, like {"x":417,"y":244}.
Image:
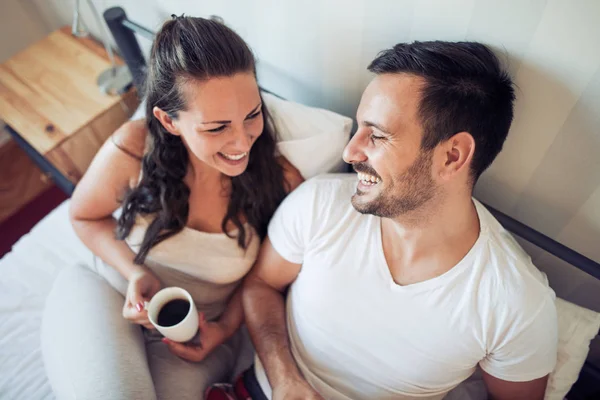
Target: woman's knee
{"x":72,"y":277}
{"x":89,"y":350}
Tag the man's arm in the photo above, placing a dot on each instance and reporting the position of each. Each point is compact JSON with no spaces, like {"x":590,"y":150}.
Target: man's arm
{"x":499,"y":389}
{"x":264,"y":308}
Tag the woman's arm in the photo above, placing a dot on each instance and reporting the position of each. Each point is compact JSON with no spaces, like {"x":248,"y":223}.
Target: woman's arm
{"x":98,"y":193}
{"x":115,"y":168}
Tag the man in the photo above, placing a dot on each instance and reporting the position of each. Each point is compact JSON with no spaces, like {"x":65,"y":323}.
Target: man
{"x":401,"y":284}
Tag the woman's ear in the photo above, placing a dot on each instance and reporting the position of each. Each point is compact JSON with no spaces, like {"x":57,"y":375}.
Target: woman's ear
{"x":167,"y":122}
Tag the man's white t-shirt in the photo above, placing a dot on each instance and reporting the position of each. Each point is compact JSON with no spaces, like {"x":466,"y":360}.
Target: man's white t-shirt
{"x":356,"y":334}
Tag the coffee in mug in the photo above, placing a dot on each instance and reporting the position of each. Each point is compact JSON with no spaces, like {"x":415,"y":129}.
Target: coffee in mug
{"x":173,"y":313}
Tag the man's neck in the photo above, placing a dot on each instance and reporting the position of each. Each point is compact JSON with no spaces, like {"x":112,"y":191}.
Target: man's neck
{"x":431,"y":241}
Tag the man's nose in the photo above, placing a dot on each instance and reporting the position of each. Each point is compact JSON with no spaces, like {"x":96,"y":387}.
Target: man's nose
{"x":354,"y":151}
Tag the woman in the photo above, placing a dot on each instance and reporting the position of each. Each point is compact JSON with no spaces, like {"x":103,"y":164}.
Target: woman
{"x":197,"y":182}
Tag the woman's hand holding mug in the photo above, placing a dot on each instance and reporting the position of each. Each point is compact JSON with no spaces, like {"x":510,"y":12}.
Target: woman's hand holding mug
{"x":143,"y":285}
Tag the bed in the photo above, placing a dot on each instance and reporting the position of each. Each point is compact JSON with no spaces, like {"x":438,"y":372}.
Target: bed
{"x":29,"y":269}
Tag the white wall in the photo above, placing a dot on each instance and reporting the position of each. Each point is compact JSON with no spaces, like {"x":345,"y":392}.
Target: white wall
{"x":20,"y":25}
{"x":316,"y":52}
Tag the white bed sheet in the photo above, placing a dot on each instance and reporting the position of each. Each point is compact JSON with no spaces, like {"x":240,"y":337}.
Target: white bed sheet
{"x":26,"y":277}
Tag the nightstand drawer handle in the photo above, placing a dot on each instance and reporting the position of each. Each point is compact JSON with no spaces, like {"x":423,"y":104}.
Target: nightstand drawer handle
{"x":46,"y":177}
{"x":49,"y":128}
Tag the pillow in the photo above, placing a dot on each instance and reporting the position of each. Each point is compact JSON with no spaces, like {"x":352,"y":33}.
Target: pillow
{"x":312,"y":139}
{"x":577,"y":326}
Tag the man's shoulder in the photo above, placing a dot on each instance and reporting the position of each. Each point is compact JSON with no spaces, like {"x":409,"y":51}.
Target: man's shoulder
{"x":504,"y":250}
{"x":317,"y":207}
{"x":332,"y":182}
{"x":322,"y":201}
{"x":328,"y":189}
{"x":509,"y":271}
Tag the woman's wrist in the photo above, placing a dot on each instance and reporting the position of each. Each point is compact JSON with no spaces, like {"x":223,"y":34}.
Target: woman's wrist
{"x":134,"y":270}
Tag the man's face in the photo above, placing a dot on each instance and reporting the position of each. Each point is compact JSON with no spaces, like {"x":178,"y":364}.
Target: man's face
{"x":395,"y":174}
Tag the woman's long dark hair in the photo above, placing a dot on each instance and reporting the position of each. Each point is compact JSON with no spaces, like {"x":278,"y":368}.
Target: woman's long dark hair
{"x":196,"y":48}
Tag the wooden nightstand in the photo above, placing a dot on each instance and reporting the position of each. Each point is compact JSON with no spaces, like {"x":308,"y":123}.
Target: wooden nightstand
{"x":53,"y":107}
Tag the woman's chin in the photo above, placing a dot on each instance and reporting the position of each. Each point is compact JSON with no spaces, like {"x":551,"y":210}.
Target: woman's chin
{"x":233,"y":174}
{"x":233,"y":170}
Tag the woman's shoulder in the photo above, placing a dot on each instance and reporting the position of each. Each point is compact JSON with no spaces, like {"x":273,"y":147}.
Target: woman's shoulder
{"x":130,"y":138}
{"x":291,"y":175}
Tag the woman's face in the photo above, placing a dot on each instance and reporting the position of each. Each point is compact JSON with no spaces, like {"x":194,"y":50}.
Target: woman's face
{"x":221,"y":122}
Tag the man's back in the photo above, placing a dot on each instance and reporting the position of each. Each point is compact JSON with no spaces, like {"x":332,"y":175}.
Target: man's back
{"x":355,"y":333}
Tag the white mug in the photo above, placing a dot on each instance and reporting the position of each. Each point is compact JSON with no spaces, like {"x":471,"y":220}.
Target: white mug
{"x":184,"y":330}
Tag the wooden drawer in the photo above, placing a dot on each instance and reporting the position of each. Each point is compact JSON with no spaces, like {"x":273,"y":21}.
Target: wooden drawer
{"x":20,"y":179}
{"x":73,"y":156}
{"x":50,"y":99}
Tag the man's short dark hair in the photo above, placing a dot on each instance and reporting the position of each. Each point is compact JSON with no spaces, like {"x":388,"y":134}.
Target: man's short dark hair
{"x":466,"y":89}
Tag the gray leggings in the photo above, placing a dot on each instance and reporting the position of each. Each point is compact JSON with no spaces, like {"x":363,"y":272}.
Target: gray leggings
{"x":91,"y":352}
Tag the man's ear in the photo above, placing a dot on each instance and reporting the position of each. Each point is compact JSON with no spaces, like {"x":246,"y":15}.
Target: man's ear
{"x":455,"y":155}
{"x":167,"y":122}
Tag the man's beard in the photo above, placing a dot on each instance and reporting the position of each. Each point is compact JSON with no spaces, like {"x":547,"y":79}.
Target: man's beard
{"x":412,"y":190}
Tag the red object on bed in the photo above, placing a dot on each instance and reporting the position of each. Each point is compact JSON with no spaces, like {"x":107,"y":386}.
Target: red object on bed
{"x":23,"y":220}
